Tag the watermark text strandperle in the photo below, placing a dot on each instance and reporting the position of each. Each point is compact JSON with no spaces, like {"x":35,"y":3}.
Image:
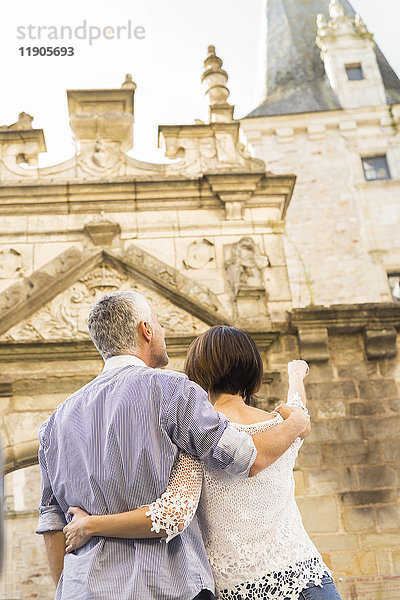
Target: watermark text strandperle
{"x":82,"y":32}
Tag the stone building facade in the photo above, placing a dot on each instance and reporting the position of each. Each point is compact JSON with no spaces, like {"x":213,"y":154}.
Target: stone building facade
{"x":340,"y":136}
{"x":331,"y":115}
{"x":222,"y":237}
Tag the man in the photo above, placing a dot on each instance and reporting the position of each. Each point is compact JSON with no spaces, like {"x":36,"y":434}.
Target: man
{"x":110,"y":448}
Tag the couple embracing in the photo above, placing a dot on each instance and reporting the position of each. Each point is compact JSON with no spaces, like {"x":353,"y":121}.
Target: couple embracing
{"x":155,"y":489}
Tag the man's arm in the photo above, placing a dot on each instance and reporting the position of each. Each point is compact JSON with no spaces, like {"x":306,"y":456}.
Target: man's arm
{"x":193,"y":425}
{"x":272,"y":443}
{"x":51,"y":517}
{"x":55,"y":549}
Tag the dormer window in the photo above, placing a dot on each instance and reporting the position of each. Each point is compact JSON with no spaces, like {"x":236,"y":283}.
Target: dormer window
{"x":376,"y":167}
{"x":394,"y":282}
{"x":354,"y":72}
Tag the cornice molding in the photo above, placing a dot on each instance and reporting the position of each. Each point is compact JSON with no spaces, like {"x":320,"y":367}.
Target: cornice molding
{"x":378,"y":323}
{"x":343,"y":318}
{"x":125,"y":194}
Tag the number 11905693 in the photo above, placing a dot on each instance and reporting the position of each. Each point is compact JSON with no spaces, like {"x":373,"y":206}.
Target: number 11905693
{"x":47,"y":51}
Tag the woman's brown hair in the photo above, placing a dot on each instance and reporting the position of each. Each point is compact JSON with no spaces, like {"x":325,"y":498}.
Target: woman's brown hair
{"x":226,"y":360}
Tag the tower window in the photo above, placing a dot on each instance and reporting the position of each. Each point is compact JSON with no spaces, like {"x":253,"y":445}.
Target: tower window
{"x":394,"y":282}
{"x":354,"y":72}
{"x":376,"y":167}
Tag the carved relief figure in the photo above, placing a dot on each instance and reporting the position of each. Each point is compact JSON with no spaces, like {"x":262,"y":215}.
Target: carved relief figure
{"x":226,"y":148}
{"x":244,"y":266}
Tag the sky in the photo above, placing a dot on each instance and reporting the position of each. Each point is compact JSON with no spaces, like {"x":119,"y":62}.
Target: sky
{"x":165,"y":60}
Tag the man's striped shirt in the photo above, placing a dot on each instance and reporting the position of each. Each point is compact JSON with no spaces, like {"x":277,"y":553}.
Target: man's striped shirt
{"x":109,"y":448}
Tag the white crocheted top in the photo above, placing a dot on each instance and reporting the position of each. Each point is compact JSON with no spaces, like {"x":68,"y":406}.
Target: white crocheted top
{"x":252,"y":529}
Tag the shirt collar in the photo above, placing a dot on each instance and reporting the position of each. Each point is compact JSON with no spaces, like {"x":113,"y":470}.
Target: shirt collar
{"x":122,"y":360}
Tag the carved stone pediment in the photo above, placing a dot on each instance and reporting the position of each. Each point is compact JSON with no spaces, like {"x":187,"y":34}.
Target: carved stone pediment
{"x":52,"y":305}
{"x":65,"y":317}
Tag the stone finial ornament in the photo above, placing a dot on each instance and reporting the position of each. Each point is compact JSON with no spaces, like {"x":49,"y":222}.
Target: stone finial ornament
{"x":129,"y":83}
{"x":24,"y":122}
{"x":21,"y":144}
{"x":360,"y":25}
{"x":322,"y":24}
{"x":339,"y":24}
{"x":215,"y":79}
{"x":336,"y":10}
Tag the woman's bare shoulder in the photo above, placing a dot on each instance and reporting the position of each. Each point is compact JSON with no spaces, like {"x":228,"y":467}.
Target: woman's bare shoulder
{"x":248,"y":415}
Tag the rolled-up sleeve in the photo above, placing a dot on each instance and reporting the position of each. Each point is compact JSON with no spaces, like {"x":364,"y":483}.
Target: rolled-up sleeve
{"x":51,"y":517}
{"x":236,"y":450}
{"x":195,"y":427}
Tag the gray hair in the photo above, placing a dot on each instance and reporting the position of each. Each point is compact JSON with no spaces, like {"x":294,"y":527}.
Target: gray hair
{"x":114,"y":320}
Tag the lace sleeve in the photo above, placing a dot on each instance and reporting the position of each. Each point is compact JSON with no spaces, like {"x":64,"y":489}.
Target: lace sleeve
{"x":175,"y":509}
{"x":295,"y":400}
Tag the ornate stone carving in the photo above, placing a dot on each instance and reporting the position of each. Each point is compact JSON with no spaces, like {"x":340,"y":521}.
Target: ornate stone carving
{"x":102,"y":122}
{"x":199,"y":254}
{"x":226,"y":148}
{"x":340,"y":23}
{"x":207,"y":149}
{"x":24,"y":122}
{"x":11,"y":263}
{"x":215,"y":79}
{"x":23,"y":290}
{"x":100,"y":155}
{"x":360,"y":25}
{"x":129,"y":83}
{"x":244,"y":264}
{"x":20,"y":143}
{"x":336,"y":10}
{"x":322,"y":24}
{"x":65,"y":317}
{"x":104,"y":278}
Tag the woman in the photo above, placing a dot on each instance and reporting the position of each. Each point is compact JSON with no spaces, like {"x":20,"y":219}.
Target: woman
{"x":252,"y":528}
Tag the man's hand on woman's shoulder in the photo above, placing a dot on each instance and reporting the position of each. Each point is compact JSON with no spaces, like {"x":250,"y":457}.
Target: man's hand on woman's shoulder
{"x":298,"y":417}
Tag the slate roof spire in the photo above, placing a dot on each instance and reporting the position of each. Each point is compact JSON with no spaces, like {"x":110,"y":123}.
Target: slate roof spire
{"x":295,"y":76}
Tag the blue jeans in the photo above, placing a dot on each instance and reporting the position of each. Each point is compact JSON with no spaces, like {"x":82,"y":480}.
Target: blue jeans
{"x":328,"y":591}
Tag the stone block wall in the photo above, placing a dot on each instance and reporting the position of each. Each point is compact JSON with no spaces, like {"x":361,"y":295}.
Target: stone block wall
{"x":348,"y":470}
